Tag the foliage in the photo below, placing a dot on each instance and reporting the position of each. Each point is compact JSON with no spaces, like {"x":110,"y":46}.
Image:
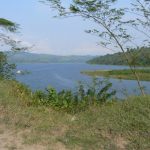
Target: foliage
{"x":110,"y":21}
{"x":6,"y":39}
{"x":111,"y":27}
{"x":144,"y":74}
{"x":142,"y":19}
{"x":6,"y":69}
{"x":114,"y":125}
{"x":98,"y":92}
{"x":9,"y":25}
{"x":4,"y":36}
{"x":138,"y":57}
{"x":20,"y":90}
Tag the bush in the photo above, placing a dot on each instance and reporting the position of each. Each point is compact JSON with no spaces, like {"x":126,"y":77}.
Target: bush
{"x":96,"y":93}
{"x":20,"y":91}
{"x":6,"y":69}
{"x":86,"y":95}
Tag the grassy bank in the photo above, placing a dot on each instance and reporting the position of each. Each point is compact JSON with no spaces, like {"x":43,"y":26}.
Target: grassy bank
{"x":111,"y":126}
{"x":144,"y":74}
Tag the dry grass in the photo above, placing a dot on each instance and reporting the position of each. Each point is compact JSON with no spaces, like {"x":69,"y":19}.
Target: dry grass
{"x":112,"y":126}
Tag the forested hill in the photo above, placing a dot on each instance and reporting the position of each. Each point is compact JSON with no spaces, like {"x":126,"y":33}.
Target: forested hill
{"x":140,"y":57}
{"x":25,"y":57}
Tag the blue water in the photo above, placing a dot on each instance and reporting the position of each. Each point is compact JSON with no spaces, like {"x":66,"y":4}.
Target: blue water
{"x":66,"y":76}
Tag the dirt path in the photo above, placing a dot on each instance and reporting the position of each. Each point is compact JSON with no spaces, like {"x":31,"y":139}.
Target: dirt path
{"x":12,"y":140}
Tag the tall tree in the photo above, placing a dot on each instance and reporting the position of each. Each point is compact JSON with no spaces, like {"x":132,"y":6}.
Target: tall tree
{"x":109,"y":19}
{"x":7,"y":27}
{"x":6,"y":69}
{"x":7,"y":24}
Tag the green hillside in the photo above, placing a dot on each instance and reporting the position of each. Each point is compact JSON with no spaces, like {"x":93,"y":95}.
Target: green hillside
{"x":140,"y":57}
{"x":25,"y":57}
{"x":115,"y":125}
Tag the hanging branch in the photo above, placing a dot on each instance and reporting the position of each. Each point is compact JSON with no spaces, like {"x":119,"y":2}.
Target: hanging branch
{"x":110,"y":20}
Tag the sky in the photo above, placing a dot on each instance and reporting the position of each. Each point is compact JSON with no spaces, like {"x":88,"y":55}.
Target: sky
{"x":51,"y":35}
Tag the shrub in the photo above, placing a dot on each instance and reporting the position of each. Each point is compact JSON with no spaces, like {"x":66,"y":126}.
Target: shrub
{"x":86,"y":95}
{"x":6,"y":69}
{"x":39,"y":98}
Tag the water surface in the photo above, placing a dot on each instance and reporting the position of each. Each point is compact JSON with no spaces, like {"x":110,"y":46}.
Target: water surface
{"x":66,"y":76}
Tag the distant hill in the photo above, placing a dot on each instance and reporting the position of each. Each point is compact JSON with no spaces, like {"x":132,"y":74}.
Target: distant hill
{"x":140,"y":57}
{"x":25,"y":57}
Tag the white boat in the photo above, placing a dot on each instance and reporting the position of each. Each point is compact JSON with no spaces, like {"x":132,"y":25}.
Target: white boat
{"x":19,"y":72}
{"x":22,"y":72}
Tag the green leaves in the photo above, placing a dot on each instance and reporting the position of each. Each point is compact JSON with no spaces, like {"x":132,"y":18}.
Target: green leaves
{"x":96,"y":93}
{"x":6,"y":69}
{"x":74,"y":9}
{"x":9,"y":25}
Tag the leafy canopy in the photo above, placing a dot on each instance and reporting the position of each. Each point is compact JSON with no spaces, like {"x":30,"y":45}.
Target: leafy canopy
{"x":6,"y":69}
{"x":9,"y":25}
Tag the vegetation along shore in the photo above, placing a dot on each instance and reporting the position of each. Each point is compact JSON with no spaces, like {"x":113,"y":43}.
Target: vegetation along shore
{"x":111,"y":125}
{"x":92,"y":117}
{"x":144,"y":74}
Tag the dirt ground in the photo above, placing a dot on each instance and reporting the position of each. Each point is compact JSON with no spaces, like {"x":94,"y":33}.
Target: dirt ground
{"x":12,"y":140}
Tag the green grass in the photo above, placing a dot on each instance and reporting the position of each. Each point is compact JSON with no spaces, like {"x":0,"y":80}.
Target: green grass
{"x":144,"y":74}
{"x":114,"y":125}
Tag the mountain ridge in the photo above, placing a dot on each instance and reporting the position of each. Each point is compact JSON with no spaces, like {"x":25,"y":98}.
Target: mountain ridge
{"x":26,"y":57}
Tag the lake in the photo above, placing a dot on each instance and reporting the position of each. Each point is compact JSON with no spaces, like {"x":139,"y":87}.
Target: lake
{"x":66,"y":76}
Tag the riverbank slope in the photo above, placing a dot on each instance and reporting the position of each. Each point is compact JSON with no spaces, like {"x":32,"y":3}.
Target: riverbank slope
{"x":113,"y":125}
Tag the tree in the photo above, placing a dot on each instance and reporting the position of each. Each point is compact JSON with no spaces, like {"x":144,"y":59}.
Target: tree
{"x":110,"y":21}
{"x":6,"y":39}
{"x":6,"y":69}
{"x":9,"y":25}
{"x":141,"y":8}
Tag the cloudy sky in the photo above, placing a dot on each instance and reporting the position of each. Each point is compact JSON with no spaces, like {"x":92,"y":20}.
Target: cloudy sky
{"x":48,"y":34}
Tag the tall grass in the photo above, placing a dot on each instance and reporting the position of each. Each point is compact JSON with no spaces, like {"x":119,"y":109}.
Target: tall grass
{"x":113,"y":125}
{"x":97,"y":93}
